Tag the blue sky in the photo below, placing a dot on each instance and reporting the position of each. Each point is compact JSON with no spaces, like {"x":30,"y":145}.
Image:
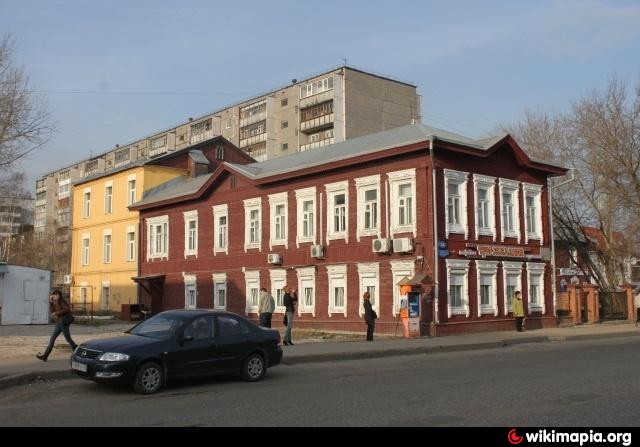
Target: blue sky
{"x":477,"y":64}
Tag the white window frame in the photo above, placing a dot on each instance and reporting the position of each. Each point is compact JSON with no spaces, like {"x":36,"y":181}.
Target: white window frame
{"x":458,"y":267}
{"x":218,"y":212}
{"x":333,"y":190}
{"x":460,"y":178}
{"x":130,"y":249}
{"x":510,"y":268}
{"x":86,"y":203}
{"x":369,"y":275}
{"x":489,"y":184}
{"x":85,"y":256}
{"x":278,"y":279}
{"x":251,"y":282}
{"x":305,"y":195}
{"x":252,"y":205}
{"x":151,"y":223}
{"x":306,"y":279}
{"x":107,"y":254}
{"x":536,"y":269}
{"x":337,"y":277}
{"x":190,"y":216}
{"x":131,"y":192}
{"x":535,"y":191}
{"x":510,"y":187}
{"x":108,"y":197}
{"x":399,"y":269}
{"x":190,"y":283}
{"x":487,"y":268}
{"x":220,"y":284}
{"x":364,"y":184}
{"x":276,"y":200}
{"x":397,"y":178}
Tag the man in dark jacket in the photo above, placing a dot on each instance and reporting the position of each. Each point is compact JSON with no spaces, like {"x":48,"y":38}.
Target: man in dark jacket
{"x":369,"y":315}
{"x":289,"y":300}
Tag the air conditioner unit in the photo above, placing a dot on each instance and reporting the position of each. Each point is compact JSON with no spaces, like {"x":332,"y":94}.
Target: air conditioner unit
{"x":403,"y":245}
{"x":274,"y":258}
{"x":381,"y":245}
{"x":66,"y":279}
{"x":317,"y":251}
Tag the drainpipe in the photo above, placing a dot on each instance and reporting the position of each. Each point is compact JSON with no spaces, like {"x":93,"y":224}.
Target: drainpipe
{"x":435,"y":235}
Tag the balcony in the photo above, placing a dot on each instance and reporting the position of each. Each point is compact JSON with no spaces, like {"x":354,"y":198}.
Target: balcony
{"x":318,"y":123}
{"x":202,"y":136}
{"x":158,"y":151}
{"x":316,"y":99}
{"x":316,"y":144}
{"x":41,"y":202}
{"x":41,"y":185}
{"x":253,"y":140}
{"x":261,"y":116}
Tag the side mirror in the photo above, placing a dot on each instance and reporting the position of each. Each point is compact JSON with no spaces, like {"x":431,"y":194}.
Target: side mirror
{"x":186,"y":338}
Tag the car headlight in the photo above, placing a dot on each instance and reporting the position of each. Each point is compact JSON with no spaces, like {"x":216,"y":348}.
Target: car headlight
{"x":113,"y":357}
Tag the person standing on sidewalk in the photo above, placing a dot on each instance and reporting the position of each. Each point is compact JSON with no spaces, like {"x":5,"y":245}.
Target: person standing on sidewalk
{"x":60,"y":308}
{"x":266,"y":306}
{"x":518,"y":311}
{"x":369,"y":315}
{"x":289,"y":300}
{"x":636,"y":301}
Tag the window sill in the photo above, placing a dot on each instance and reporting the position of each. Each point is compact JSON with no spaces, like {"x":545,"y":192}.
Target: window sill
{"x":403,"y":229}
{"x":458,"y":311}
{"x":457,"y":229}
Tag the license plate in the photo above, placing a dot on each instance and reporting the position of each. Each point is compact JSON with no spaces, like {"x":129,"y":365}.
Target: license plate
{"x":79,"y":366}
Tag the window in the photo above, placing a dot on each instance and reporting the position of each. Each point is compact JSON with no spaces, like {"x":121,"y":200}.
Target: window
{"x":316,"y":111}
{"x":131,"y":191}
{"x":278,"y":281}
{"x":368,"y":274}
{"x":253,"y":130}
{"x":86,"y":203}
{"x":337,"y":275}
{"x":219,"y":152}
{"x":486,"y":273}
{"x":278,"y":219}
{"x":306,"y":290}
{"x":306,"y":208}
{"x":201,"y":131}
{"x":122,"y":156}
{"x":284,"y":102}
{"x":258,"y":151}
{"x":402,"y":204}
{"x":252,"y":216}
{"x":512,"y":272}
{"x":485,"y":205}
{"x":191,"y":233}
{"x":131,"y":244}
{"x":284,"y":146}
{"x":535,"y":279}
{"x":106,"y":252}
{"x":202,"y":328}
{"x":158,"y":237}
{"x":455,"y":184}
{"x":252,"y":290}
{"x":315,"y":87}
{"x":337,"y":215}
{"x":190,"y":292}
{"x":284,"y":124}
{"x":510,"y":222}
{"x":219,"y":290}
{"x":533,"y":212}
{"x":253,"y":110}
{"x":221,"y":228}
{"x":229,"y":326}
{"x":458,"y":280}
{"x":91,"y":167}
{"x":228,"y":124}
{"x":108,"y":198}
{"x":104,"y":296}
{"x":368,"y":190}
{"x":159,"y":143}
{"x":399,"y":269}
{"x":85,"y":249}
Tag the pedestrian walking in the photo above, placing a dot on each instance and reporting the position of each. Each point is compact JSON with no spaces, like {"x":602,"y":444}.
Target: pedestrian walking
{"x":370,"y":315}
{"x":60,"y":308}
{"x":266,"y":306}
{"x":289,"y":300}
{"x":636,"y":301}
{"x":518,"y":311}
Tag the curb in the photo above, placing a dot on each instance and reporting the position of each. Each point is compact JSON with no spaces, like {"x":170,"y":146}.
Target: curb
{"x":25,"y":378}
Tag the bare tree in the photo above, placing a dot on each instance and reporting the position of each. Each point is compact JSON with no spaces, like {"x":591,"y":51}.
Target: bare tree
{"x":24,"y":119}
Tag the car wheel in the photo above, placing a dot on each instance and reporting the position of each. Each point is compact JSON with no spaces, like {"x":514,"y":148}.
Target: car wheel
{"x":149,"y":379}
{"x":254,"y":368}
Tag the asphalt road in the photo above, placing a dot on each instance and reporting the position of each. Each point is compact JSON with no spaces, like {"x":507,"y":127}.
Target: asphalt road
{"x":594,"y":383}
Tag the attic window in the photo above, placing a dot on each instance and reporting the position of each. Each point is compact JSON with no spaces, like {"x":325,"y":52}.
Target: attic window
{"x":220,"y":152}
{"x":232,"y":181}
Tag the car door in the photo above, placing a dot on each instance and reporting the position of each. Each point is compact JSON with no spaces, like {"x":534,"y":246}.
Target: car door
{"x":233,"y":342}
{"x":195,"y":349}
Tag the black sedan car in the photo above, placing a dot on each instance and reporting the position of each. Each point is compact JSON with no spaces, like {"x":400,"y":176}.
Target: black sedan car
{"x":180,"y":343}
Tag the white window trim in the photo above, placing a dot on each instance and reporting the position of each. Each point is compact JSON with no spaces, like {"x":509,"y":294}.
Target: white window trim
{"x":536,"y":192}
{"x":130,"y":229}
{"x":159,"y":220}
{"x":278,"y":277}
{"x":536,"y":268}
{"x":458,"y":266}
{"x":218,"y":212}
{"x":107,"y":232}
{"x":368,"y":273}
{"x":190,"y":280}
{"x":220,"y":282}
{"x":108,"y":184}
{"x":512,"y":186}
{"x":306,"y":276}
{"x":87,"y":261}
{"x":337,"y":276}
{"x":332,"y":190}
{"x":86,"y":210}
{"x":251,"y":281}
{"x":131,"y":178}
{"x":460,"y":178}
{"x":510,"y":268}
{"x":190,"y":216}
{"x":488,"y":268}
{"x":399,"y":269}
{"x":250,"y":205}
{"x":366,"y":184}
{"x":303,"y":195}
{"x":396,"y":178}
{"x":488,"y":183}
{"x":274,"y":201}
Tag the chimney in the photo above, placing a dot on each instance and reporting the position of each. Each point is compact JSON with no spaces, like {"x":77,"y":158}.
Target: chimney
{"x":198,"y":164}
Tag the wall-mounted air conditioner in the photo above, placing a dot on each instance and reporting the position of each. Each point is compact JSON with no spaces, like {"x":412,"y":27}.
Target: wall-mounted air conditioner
{"x":381,"y":245}
{"x":403,"y":245}
{"x":66,"y":279}
{"x":273,"y":258}
{"x":317,"y":251}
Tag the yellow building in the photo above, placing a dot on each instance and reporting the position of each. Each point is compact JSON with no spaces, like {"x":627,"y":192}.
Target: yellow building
{"x":104,"y":254}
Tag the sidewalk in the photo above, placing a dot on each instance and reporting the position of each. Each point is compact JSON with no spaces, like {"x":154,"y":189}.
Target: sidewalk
{"x":22,"y":369}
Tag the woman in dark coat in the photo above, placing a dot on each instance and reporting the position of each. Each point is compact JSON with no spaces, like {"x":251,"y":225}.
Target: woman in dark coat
{"x":369,"y":315}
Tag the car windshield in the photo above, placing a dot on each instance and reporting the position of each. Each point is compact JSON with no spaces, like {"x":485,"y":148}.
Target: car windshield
{"x":161,"y":327}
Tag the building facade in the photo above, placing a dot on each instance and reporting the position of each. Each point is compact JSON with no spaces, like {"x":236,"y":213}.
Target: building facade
{"x":360,"y":216}
{"x":321,"y":110}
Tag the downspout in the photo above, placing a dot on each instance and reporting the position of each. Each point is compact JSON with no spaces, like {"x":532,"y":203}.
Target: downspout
{"x":436,"y":266}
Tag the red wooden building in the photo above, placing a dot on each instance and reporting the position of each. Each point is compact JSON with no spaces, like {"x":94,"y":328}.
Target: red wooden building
{"x":358,"y":216}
